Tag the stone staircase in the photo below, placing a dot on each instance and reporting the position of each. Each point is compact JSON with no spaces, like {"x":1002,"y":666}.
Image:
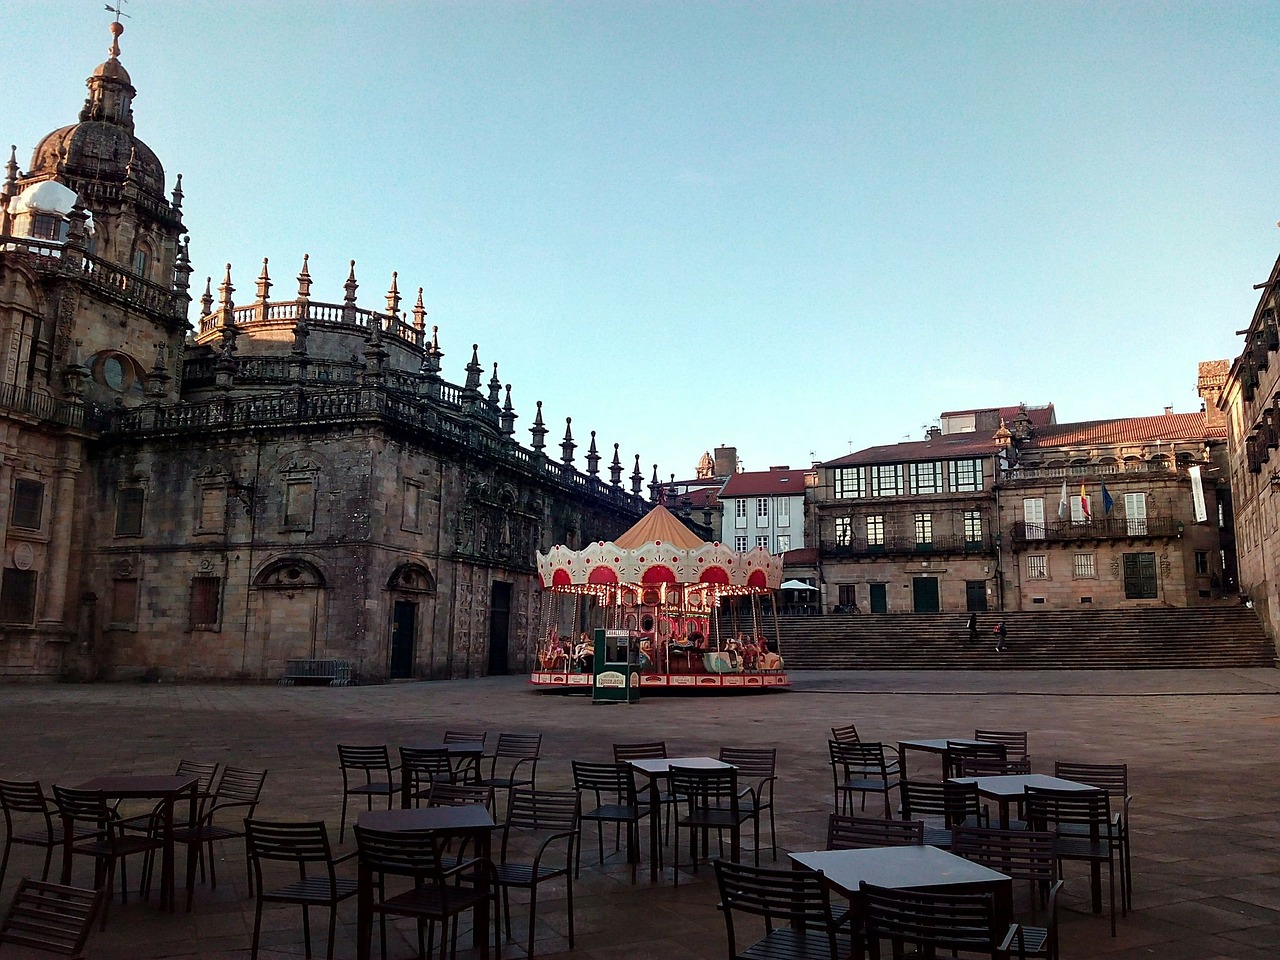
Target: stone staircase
{"x":1136,"y":639}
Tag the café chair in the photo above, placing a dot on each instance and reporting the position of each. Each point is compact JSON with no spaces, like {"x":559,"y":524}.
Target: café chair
{"x":793,"y":906}
{"x":51,"y":918}
{"x":611,"y":794}
{"x":438,"y":894}
{"x":992,"y":767}
{"x":861,"y":768}
{"x":373,"y":764}
{"x":1113,"y":778}
{"x":649,"y":750}
{"x":932,"y":922}
{"x":30,"y":820}
{"x":1015,"y":742}
{"x":150,"y":822}
{"x":846,"y":734}
{"x":1037,"y":942}
{"x":305,"y":845}
{"x":957,"y":753}
{"x":467,"y":768}
{"x":514,"y":761}
{"x":546,"y":821}
{"x":106,"y":840}
{"x":707,"y":799}
{"x":941,"y":807}
{"x":1081,"y":823}
{"x":1018,"y":854}
{"x":234,"y":800}
{"x":421,"y":768}
{"x":858,"y":833}
{"x":757,"y":771}
{"x":459,"y":794}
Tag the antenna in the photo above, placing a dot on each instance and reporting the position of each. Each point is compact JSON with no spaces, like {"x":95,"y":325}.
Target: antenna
{"x":118,"y":10}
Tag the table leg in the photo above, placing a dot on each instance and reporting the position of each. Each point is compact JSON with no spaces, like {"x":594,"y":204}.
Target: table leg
{"x":654,"y":833}
{"x":480,"y":928}
{"x":1095,"y":885}
{"x":166,"y":860}
{"x":193,"y":844}
{"x":902,"y":761}
{"x":364,"y":911}
{"x":68,"y":835}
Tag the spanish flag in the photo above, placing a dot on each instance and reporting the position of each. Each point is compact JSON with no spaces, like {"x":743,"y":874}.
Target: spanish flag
{"x":1084,"y":504}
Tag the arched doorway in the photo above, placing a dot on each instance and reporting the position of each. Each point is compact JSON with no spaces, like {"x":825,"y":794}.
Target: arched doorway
{"x":410,"y":585}
{"x":289,"y":614}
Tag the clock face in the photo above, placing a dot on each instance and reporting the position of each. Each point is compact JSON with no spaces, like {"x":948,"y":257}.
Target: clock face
{"x":113,"y":373}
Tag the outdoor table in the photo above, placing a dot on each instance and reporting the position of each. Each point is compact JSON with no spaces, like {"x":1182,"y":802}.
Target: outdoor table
{"x":469,"y":821}
{"x":909,"y":867}
{"x":656,"y":770}
{"x":1012,"y":787}
{"x":166,"y":789}
{"x":937,"y":746}
{"x":464,"y":750}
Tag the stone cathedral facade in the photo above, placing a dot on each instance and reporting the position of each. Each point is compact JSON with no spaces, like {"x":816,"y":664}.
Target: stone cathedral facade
{"x":281,"y":478}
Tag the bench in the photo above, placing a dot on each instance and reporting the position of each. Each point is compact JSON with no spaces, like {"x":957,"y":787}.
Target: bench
{"x":308,"y":670}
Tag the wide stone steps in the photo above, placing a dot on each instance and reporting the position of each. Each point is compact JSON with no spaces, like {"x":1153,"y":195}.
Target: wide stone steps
{"x":1155,"y":638}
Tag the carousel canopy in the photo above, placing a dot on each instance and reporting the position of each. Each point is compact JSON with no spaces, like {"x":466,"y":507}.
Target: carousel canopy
{"x":659,"y":549}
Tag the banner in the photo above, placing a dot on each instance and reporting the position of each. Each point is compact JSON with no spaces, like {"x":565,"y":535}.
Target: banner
{"x":1197,"y":494}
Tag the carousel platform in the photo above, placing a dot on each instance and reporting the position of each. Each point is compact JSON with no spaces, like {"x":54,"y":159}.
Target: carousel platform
{"x":661,"y":682}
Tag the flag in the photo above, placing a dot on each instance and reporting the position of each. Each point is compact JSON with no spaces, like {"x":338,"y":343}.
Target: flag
{"x":1084,"y":504}
{"x":1108,"y":501}
{"x":1063,"y":507}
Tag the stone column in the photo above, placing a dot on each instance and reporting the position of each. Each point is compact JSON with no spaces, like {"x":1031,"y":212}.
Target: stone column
{"x":56,"y":573}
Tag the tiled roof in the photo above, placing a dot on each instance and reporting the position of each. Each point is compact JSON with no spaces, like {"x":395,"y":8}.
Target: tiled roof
{"x":944,"y":446}
{"x":699,"y":497}
{"x":800,"y":557}
{"x":1040,"y":416}
{"x":762,"y":483}
{"x":1166,"y":427}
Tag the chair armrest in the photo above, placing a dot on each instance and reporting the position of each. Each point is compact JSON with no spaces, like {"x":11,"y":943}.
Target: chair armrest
{"x":563,"y":835}
{"x":345,"y":857}
{"x":1014,"y":933}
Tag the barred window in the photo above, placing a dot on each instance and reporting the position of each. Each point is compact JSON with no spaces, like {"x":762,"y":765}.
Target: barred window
{"x":18,"y":596}
{"x":1083,"y":566}
{"x":1037,"y":567}
{"x":28,"y":504}
{"x":206,"y":602}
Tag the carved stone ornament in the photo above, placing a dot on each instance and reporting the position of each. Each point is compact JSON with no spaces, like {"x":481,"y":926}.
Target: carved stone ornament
{"x":206,"y":565}
{"x":124,"y":569}
{"x":23,"y":556}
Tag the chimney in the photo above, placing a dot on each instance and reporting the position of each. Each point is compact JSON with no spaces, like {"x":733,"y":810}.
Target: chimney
{"x":726,"y":460}
{"x":1209,"y":384}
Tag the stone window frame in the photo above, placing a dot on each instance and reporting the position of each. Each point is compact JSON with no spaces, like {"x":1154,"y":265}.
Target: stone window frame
{"x":130,"y":487}
{"x":15,"y":520}
{"x":298,"y":478}
{"x":19,"y":591}
{"x":206,"y":488}
{"x":417,"y":489}
{"x":198,"y":603}
{"x":121,"y":623}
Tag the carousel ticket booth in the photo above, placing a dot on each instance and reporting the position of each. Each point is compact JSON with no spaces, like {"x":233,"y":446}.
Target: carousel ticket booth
{"x":673,"y":610}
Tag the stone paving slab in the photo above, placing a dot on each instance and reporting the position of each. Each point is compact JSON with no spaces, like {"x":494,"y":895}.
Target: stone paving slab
{"x":1200,"y":745}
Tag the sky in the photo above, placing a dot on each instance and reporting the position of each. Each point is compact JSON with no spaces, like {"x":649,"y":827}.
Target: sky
{"x":797,"y":228}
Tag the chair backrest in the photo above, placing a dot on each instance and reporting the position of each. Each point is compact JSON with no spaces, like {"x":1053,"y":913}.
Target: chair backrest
{"x":1111,"y":777}
{"x":293,"y":842}
{"x":848,"y":733}
{"x":240,"y":787}
{"x":650,"y":750}
{"x":459,"y":795}
{"x":359,"y":757}
{"x":864,"y":759}
{"x":203,"y":771}
{"x":702,"y":787}
{"x":83,"y":806}
{"x":958,"y":753}
{"x":795,"y":897}
{"x":51,"y":918}
{"x":522,"y":746}
{"x":950,"y":921}
{"x":954,"y":802}
{"x":413,"y":853}
{"x":466,"y":736}
{"x":22,"y":797}
{"x":1090,"y":808}
{"x":753,"y":763}
{"x":531,"y":809}
{"x":1020,"y":854}
{"x":617,"y":781}
{"x":1015,"y":741}
{"x":992,"y":767}
{"x":418,"y":764}
{"x":857,"y":833}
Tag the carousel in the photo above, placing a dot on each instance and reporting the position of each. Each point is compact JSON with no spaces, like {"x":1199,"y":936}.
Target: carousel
{"x":691,"y":614}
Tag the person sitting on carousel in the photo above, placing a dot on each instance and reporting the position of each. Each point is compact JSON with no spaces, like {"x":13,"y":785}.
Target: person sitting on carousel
{"x":584,"y":654}
{"x":750,"y":652}
{"x":647,"y":658}
{"x":770,"y":659}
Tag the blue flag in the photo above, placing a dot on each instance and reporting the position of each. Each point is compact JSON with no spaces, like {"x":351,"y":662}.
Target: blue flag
{"x":1108,"y":501}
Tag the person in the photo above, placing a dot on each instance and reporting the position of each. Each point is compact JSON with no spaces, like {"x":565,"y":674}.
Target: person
{"x":1001,"y":633}
{"x":584,"y":654}
{"x":973,"y":627}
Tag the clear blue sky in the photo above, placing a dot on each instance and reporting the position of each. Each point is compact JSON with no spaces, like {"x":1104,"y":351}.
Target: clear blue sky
{"x":783,"y":226}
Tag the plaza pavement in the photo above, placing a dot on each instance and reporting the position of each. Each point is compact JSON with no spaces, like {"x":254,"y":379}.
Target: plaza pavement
{"x":1201,"y":749}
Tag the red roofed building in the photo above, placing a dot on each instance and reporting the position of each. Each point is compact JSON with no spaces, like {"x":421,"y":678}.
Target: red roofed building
{"x":978,"y":518}
{"x":764,"y":508}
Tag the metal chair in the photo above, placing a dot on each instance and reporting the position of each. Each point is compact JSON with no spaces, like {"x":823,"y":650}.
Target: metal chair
{"x":438,"y":894}
{"x":707,"y":799}
{"x":992,"y":767}
{"x":29,"y":820}
{"x":757,"y":771}
{"x":860,"y":768}
{"x":1113,"y":778}
{"x":1019,"y":854}
{"x":846,"y":734}
{"x":51,"y":918}
{"x":421,"y":768}
{"x":858,"y":833}
{"x":514,"y":761}
{"x":650,"y":750}
{"x":952,"y":803}
{"x":366,"y":761}
{"x":303,"y":844}
{"x":932,"y":922}
{"x":467,"y":768}
{"x":1015,"y":742}
{"x":957,"y":753}
{"x":548,"y":818}
{"x":238,"y":790}
{"x":795,"y":908}
{"x":1081,"y":823}
{"x":613,"y":799}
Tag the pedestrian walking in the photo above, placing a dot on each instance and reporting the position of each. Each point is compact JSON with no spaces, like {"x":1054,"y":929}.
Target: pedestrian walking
{"x":973,"y":627}
{"x":1001,"y":632}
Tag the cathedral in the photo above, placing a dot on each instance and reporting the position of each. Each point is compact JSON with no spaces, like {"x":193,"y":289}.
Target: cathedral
{"x":281,"y":479}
